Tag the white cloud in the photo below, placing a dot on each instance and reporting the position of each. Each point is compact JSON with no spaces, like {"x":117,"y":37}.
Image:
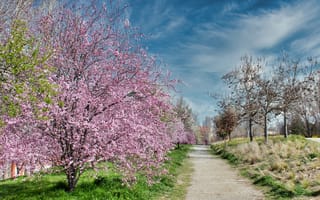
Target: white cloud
{"x":270,"y":28}
{"x":172,"y":23}
{"x":217,"y":45}
{"x":175,"y":22}
{"x":216,"y":48}
{"x":159,"y":18}
{"x":229,"y":7}
{"x":308,"y":45}
{"x":201,"y":107}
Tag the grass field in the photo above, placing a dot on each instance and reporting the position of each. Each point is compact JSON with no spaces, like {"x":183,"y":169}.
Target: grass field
{"x":284,"y":168}
{"x":179,"y":191}
{"x":105,"y":185}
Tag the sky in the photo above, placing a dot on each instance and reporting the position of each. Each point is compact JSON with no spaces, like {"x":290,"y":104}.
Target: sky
{"x":201,"y":40}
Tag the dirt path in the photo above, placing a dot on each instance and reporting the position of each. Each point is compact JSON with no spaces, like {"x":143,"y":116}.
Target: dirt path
{"x":214,"y":179}
{"x":314,"y":139}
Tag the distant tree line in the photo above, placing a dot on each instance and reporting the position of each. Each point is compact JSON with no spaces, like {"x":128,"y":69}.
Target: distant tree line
{"x":259,"y":92}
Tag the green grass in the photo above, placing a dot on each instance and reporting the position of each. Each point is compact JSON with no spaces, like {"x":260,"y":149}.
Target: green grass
{"x":107,"y":185}
{"x":283,"y":168}
{"x":179,"y":191}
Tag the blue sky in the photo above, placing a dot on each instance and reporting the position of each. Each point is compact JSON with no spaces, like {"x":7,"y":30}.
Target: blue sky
{"x":200,"y":40}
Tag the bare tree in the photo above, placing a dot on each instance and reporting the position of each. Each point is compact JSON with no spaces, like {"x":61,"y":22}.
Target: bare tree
{"x":308,"y":106}
{"x":289,"y":87}
{"x":243,"y":83}
{"x":13,"y":9}
{"x":184,"y":112}
{"x":267,"y":100}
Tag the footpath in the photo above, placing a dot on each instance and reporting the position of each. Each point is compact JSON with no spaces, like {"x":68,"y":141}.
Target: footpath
{"x":214,"y":179}
{"x":314,"y":139}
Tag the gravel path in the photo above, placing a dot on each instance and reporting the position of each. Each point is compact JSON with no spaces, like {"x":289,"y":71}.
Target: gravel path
{"x":214,"y":179}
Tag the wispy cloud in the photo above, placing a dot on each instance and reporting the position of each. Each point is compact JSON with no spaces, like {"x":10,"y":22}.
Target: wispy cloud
{"x":219,"y":48}
{"x":202,"y":41}
{"x":309,"y":46}
{"x":159,"y":18}
{"x":230,"y":7}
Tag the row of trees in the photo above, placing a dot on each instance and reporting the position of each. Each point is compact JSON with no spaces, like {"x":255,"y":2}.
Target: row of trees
{"x":196,"y":133}
{"x":76,"y":89}
{"x":260,"y":92}
{"x":186,"y":118}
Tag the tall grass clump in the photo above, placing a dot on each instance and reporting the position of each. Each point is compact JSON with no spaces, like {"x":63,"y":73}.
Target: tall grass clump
{"x":288,"y":168}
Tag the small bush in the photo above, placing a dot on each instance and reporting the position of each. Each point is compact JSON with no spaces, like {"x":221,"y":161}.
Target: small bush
{"x":277,"y":164}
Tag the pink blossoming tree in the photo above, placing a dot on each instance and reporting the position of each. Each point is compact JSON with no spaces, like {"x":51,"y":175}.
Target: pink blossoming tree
{"x":179,"y":134}
{"x":110,"y":100}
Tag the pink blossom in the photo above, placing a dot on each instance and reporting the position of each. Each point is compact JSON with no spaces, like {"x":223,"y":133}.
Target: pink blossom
{"x":108,"y":107}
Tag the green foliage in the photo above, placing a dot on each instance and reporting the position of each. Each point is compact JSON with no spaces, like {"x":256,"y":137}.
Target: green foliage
{"x":107,"y":185}
{"x":297,"y":126}
{"x":220,"y":150}
{"x":277,"y":189}
{"x":9,"y":107}
{"x":23,"y":71}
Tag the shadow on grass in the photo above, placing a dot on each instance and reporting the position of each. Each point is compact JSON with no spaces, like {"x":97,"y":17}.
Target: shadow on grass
{"x":108,"y":186}
{"x":17,"y":189}
{"x":100,"y":188}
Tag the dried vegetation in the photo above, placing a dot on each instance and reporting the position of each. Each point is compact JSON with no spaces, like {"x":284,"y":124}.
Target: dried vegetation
{"x":293,"y":164}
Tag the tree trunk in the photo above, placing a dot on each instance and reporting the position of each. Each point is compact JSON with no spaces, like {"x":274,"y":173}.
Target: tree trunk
{"x":285,"y":127}
{"x":13,"y":171}
{"x":72,"y":178}
{"x":21,"y":170}
{"x":308,"y":128}
{"x":265,"y":129}
{"x":229,"y":135}
{"x":250,"y":130}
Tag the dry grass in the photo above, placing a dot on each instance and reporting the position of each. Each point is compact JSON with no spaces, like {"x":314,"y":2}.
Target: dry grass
{"x":295,"y":163}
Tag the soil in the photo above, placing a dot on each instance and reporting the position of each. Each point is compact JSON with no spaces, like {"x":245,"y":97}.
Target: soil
{"x":213,"y":178}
